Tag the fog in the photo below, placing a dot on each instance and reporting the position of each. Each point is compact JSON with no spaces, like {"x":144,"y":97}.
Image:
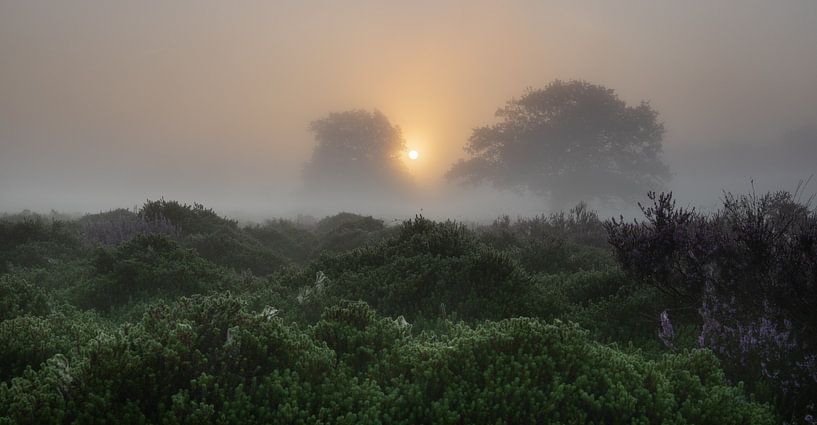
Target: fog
{"x":104,"y":104}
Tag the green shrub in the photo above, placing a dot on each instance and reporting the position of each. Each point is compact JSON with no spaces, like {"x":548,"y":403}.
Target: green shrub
{"x":356,"y":335}
{"x":585,"y":287}
{"x":148,"y":265}
{"x":231,"y":248}
{"x":205,"y":358}
{"x":526,"y":371}
{"x":552,"y":244}
{"x":31,"y":340}
{"x":429,"y":269}
{"x":62,"y":276}
{"x":19,"y":297}
{"x":287,"y":238}
{"x":347,"y":220}
{"x":38,"y":397}
{"x":347,"y":231}
{"x":34,"y":242}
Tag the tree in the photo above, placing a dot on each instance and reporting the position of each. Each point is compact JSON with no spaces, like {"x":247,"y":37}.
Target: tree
{"x":569,"y":142}
{"x":357,"y":152}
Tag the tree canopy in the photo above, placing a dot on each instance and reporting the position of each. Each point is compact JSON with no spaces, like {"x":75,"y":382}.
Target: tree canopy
{"x":569,"y":142}
{"x":357,"y":152}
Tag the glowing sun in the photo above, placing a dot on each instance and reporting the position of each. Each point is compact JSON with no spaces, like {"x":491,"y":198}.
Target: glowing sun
{"x":413,"y":155}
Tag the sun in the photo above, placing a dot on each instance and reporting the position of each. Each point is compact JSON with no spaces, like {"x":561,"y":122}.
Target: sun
{"x":413,"y":155}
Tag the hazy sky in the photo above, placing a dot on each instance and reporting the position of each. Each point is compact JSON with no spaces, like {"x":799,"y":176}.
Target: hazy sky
{"x":106,"y":103}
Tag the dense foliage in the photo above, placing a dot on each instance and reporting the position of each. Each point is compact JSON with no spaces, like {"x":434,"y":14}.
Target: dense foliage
{"x":172,"y":314}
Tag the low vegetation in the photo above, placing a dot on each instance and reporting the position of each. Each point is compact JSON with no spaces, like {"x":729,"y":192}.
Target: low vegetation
{"x":172,"y":314}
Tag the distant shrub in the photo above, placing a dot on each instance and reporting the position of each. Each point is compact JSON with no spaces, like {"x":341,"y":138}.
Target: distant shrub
{"x":189,"y":219}
{"x":347,"y":231}
{"x":579,"y":225}
{"x":427,"y":270}
{"x":25,"y":230}
{"x":232,"y":248}
{"x":118,"y":226}
{"x":287,"y":238}
{"x":347,"y":220}
{"x":147,"y":266}
{"x":32,"y":241}
{"x":62,"y":276}
{"x":552,"y":243}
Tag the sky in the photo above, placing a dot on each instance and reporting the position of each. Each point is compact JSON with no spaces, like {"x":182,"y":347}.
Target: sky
{"x":104,"y":104}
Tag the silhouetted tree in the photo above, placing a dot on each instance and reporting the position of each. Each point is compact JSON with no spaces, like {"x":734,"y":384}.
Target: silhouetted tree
{"x":357,"y":152}
{"x":569,"y":142}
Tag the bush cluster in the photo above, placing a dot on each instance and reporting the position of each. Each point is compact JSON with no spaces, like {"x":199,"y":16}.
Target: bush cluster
{"x":426,"y":270}
{"x":34,"y":241}
{"x":147,"y":266}
{"x":209,"y":360}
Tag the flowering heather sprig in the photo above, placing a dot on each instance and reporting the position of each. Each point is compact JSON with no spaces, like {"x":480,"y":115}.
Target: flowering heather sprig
{"x":770,"y":345}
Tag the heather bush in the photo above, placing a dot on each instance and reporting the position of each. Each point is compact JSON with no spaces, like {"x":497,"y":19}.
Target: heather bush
{"x":656,"y":250}
{"x":751,"y":271}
